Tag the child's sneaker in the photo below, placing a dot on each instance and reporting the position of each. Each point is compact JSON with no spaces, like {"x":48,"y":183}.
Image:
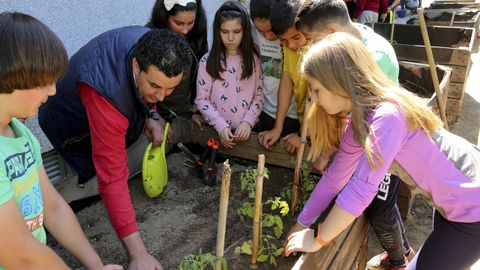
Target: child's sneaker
{"x":403,"y":267}
{"x":410,"y":254}
{"x":381,"y":262}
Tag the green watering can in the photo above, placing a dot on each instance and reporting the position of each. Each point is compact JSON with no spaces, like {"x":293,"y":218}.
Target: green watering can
{"x":154,"y":167}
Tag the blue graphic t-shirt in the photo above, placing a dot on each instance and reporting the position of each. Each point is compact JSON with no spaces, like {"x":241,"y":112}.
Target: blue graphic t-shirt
{"x":20,"y":158}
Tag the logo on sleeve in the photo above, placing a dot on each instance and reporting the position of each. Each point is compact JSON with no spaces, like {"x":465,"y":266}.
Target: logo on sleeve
{"x":18,"y":163}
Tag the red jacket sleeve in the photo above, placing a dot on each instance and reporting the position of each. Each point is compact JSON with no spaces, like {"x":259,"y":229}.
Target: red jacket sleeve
{"x":108,"y":128}
{"x":383,"y":7}
{"x":359,"y":8}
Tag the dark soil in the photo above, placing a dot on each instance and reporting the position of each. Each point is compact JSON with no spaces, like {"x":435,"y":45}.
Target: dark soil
{"x":182,"y":220}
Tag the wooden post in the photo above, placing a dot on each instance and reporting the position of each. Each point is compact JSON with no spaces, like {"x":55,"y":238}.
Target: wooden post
{"x":433,"y":68}
{"x":300,"y":151}
{"x":222,"y":213}
{"x":258,"y":210}
{"x":453,"y":18}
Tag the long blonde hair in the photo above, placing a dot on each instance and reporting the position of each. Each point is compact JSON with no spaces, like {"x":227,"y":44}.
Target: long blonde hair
{"x":344,"y":66}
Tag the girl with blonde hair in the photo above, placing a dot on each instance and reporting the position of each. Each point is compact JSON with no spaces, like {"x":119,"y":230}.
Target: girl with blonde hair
{"x":388,"y":123}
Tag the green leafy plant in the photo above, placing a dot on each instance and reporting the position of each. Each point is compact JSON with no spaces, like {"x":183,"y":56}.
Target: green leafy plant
{"x":268,"y":249}
{"x":270,"y":245}
{"x":201,"y":261}
{"x":248,"y":180}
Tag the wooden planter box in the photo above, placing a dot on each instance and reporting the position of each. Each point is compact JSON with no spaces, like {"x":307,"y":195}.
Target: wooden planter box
{"x":416,"y":78}
{"x":451,"y":46}
{"x":465,"y":16}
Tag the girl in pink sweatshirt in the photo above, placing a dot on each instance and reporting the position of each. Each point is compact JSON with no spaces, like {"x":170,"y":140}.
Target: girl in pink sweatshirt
{"x":229,"y":82}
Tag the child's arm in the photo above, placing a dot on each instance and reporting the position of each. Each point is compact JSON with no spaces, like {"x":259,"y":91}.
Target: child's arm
{"x":203,"y":100}
{"x":285,"y":93}
{"x":19,"y":249}
{"x":61,"y":222}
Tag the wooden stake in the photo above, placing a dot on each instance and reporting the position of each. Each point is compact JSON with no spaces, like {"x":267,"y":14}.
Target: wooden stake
{"x":222,"y":213}
{"x":258,"y":210}
{"x":453,"y":18}
{"x":433,"y":68}
{"x":300,"y":151}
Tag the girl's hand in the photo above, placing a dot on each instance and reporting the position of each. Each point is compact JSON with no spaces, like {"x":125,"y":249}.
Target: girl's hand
{"x":243,"y":131}
{"x":227,"y":137}
{"x":301,"y":241}
{"x":295,"y":228}
{"x":291,"y":142}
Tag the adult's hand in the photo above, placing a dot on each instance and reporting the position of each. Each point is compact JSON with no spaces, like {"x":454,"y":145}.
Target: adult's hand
{"x":227,"y":137}
{"x":243,"y":131}
{"x":270,"y":137}
{"x":291,"y":142}
{"x":144,"y":261}
{"x":301,"y":241}
{"x":154,"y":131}
{"x":199,"y":121}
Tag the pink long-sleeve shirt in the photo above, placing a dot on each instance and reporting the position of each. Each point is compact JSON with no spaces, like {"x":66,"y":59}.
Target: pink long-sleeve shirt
{"x":445,"y":168}
{"x":228,"y":102}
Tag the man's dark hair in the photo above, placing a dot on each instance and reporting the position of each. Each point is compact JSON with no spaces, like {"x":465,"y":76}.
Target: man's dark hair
{"x":163,"y":49}
{"x":197,"y":37}
{"x":316,"y":14}
{"x":260,"y":9}
{"x":284,"y":16}
{"x":31,"y":55}
{"x":216,"y":61}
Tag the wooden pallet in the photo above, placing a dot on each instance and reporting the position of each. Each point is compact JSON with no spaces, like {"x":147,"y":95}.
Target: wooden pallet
{"x":465,"y":16}
{"x":451,"y":46}
{"x":416,"y":78}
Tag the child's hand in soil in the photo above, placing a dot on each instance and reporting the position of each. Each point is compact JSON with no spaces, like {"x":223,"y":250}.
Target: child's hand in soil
{"x":243,"y":132}
{"x":295,"y":228}
{"x":291,"y":142}
{"x":301,"y":241}
{"x":227,"y":137}
{"x":270,"y":137}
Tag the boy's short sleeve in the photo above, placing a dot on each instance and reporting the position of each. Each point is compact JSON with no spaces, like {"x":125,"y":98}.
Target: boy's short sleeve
{"x":36,"y":148}
{"x":6,"y":190}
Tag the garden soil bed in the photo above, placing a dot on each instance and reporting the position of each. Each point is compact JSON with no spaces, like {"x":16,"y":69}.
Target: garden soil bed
{"x":182,"y":220}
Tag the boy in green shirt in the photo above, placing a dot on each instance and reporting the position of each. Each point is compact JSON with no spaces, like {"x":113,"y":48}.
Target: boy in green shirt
{"x":32,"y":59}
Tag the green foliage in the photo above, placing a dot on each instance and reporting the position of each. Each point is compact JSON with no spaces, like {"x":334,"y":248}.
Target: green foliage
{"x":201,"y":261}
{"x":272,"y":228}
{"x":248,"y":178}
{"x":267,"y":250}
